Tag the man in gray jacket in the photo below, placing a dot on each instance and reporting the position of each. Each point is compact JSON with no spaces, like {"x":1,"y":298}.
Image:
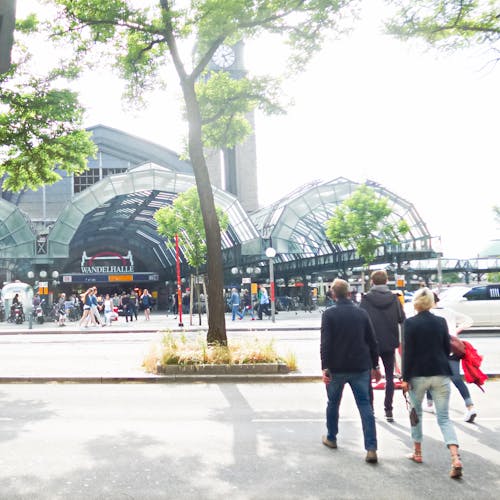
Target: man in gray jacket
{"x":386,"y":312}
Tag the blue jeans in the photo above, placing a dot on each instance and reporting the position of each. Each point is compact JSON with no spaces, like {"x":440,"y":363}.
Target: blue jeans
{"x":249,"y":310}
{"x":236,"y":311}
{"x":439,"y":387}
{"x":359,"y":382}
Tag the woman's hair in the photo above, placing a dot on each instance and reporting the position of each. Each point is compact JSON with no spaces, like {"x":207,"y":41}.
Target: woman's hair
{"x":423,"y":300}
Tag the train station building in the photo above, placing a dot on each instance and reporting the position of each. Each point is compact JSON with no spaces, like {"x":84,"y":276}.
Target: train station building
{"x":98,"y":227}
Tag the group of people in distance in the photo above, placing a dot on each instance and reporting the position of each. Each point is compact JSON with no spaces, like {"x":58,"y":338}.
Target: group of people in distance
{"x":128,"y":302}
{"x":353,"y":338}
{"x":242,"y":305}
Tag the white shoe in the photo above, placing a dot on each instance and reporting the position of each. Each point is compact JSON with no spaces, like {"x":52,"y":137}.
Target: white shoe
{"x":470,"y":415}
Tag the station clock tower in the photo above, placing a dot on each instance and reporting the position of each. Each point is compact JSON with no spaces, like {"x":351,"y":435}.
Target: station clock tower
{"x":235,"y":169}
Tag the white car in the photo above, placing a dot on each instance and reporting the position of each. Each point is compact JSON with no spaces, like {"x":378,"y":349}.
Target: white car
{"x":481,"y":303}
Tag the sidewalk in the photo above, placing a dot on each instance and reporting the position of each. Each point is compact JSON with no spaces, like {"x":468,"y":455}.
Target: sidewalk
{"x":287,"y":320}
{"x":114,"y":354}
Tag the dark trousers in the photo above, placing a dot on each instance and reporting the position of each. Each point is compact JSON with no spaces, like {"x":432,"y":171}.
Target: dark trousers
{"x":264,"y":308}
{"x":388,"y":360}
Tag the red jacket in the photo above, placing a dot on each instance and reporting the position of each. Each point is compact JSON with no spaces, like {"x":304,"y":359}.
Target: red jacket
{"x":470,"y":365}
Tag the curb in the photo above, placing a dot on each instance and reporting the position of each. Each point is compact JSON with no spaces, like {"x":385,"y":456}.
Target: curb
{"x":164,"y":379}
{"x":184,"y":379}
{"x":151,"y":330}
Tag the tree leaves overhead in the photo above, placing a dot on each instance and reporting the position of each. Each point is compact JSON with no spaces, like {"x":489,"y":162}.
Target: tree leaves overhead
{"x":225,"y":102}
{"x":448,"y":23}
{"x":40,"y":123}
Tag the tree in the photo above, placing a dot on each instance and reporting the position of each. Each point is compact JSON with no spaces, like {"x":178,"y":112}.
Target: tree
{"x":362,"y":222}
{"x":184,"y":218}
{"x":448,"y":23}
{"x":453,"y":277}
{"x":141,"y":39}
{"x":496,"y":210}
{"x":40,"y":124}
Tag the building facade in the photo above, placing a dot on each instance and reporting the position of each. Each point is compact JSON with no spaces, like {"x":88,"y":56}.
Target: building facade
{"x":98,"y":227}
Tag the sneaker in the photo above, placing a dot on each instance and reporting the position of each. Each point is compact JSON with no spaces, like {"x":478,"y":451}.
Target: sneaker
{"x":371,"y":457}
{"x":470,"y":415}
{"x":329,"y":442}
{"x":388,"y":416}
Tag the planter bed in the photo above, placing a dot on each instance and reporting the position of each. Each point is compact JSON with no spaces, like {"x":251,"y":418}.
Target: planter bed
{"x":244,"y":369}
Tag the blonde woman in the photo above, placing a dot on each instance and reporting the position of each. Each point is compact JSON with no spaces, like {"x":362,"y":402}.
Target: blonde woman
{"x":426,"y":368}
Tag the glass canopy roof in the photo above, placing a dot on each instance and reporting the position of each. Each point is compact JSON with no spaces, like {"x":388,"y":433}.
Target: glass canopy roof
{"x":294,"y":225}
{"x":120,"y":209}
{"x":16,"y":237}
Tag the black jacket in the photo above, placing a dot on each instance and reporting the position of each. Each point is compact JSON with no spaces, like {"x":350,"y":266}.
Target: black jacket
{"x":426,"y":346}
{"x":386,"y":313}
{"x":348,"y":342}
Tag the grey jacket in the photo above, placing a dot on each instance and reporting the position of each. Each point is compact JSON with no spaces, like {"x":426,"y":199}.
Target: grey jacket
{"x":386,"y":313}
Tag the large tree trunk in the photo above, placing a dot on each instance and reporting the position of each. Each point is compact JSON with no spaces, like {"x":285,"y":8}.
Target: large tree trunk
{"x":215,"y":286}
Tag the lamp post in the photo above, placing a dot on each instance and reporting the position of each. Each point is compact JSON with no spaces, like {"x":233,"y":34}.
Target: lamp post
{"x":270,"y":254}
{"x":179,"y":289}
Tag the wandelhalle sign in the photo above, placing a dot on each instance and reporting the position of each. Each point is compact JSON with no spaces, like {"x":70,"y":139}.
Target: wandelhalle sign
{"x":108,"y":268}
{"x":107,"y":262}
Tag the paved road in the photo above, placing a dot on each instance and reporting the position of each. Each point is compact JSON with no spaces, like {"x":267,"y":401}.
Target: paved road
{"x":240,"y":441}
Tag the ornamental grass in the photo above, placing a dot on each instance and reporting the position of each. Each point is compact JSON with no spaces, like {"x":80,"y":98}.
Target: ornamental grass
{"x":179,"y":350}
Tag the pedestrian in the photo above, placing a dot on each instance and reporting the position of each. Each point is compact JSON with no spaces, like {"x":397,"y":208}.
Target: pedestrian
{"x":234,"y":301}
{"x":108,"y":309}
{"x":61,"y":310}
{"x":456,"y":322}
{"x":387,"y":315}
{"x":87,"y":314}
{"x":147,"y":302}
{"x":264,"y":302}
{"x":125,"y":305}
{"x":425,"y":367}
{"x":349,"y":355}
{"x":133,"y":304}
{"x":95,"y":307}
{"x":246,"y":302}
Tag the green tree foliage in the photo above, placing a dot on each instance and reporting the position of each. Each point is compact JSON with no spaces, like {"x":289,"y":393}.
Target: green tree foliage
{"x":493,"y":277}
{"x":362,"y":222}
{"x":184,"y":218}
{"x":496,"y":210}
{"x":448,"y":23}
{"x":452,"y":277}
{"x":40,"y":124}
{"x":144,"y":37}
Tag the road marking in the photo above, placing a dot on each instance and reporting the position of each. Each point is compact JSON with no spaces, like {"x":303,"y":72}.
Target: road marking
{"x":381,"y":419}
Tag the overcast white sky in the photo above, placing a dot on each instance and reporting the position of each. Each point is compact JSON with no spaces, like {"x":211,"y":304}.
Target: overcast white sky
{"x":422,"y":124}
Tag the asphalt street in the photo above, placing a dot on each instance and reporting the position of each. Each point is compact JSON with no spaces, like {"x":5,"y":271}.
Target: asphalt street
{"x":241,"y":441}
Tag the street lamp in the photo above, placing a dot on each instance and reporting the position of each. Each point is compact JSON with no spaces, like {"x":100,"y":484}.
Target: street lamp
{"x":270,"y":254}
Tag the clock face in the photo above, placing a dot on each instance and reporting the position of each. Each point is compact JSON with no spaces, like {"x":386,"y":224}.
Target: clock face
{"x":224,"y":56}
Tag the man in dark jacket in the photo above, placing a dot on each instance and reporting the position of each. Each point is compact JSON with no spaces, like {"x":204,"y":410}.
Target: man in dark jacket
{"x":348,"y":356}
{"x":386,"y":312}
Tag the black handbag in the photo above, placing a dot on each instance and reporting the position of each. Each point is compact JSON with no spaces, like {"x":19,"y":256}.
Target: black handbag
{"x":411,"y":409}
